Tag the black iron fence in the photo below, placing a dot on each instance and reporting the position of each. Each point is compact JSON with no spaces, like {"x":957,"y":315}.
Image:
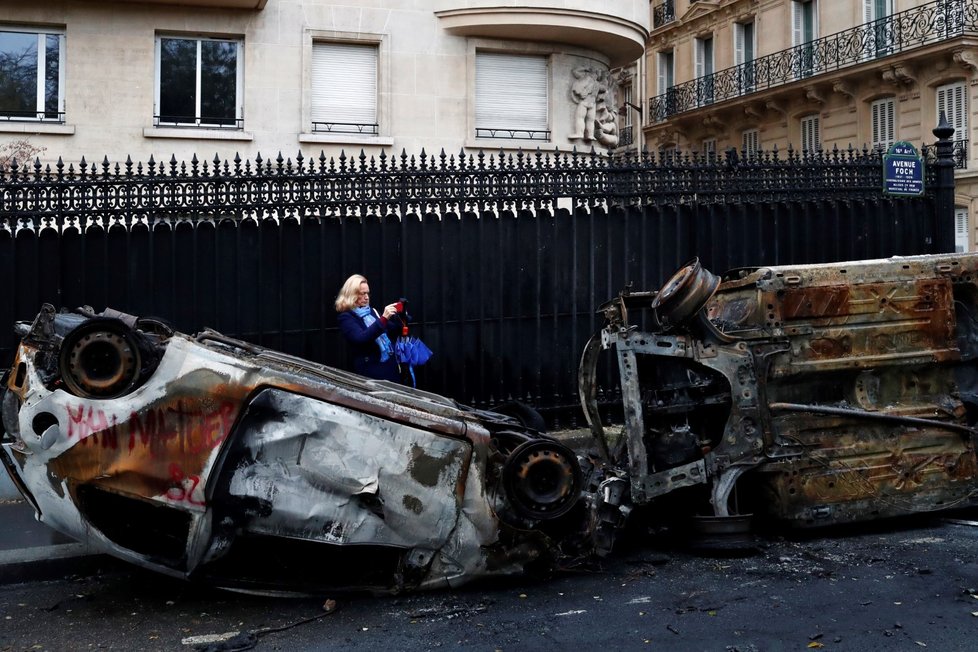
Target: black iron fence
{"x":907,"y":30}
{"x":504,"y":258}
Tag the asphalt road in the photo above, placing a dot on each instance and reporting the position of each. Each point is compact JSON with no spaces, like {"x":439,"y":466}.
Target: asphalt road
{"x":905,"y":585}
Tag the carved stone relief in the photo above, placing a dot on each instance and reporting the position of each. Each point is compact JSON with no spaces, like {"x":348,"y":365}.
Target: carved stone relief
{"x":595,"y":115}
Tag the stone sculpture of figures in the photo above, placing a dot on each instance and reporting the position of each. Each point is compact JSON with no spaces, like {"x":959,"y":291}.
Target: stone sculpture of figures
{"x":594,"y":117}
{"x":607,"y":126}
{"x":584,"y":91}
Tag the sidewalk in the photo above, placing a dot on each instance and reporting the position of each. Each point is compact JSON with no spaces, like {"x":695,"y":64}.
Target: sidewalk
{"x":30,"y":550}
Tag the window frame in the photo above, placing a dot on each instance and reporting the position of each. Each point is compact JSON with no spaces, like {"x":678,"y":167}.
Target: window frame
{"x":741,"y":50}
{"x":805,"y":63}
{"x":515,"y":132}
{"x":882,"y":118}
{"x":958,"y":117}
{"x":746,"y":138}
{"x":810,"y":129}
{"x":961,"y":229}
{"x":198,"y":122}
{"x":40,"y":98}
{"x":704,"y":57}
{"x":708,"y":147}
{"x":375,"y":46}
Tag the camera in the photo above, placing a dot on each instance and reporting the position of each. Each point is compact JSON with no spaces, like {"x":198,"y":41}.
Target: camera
{"x":401,"y":305}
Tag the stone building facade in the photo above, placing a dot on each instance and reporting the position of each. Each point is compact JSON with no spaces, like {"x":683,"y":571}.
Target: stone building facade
{"x":810,"y":74}
{"x":183,"y":77}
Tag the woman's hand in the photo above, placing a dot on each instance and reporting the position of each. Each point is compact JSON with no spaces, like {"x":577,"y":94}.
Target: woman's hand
{"x":390,"y":311}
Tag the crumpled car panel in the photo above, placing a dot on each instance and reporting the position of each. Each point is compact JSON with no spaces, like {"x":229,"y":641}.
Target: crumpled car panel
{"x":207,"y":457}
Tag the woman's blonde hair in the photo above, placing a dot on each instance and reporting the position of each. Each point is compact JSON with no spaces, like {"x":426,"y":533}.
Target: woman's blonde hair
{"x":347,"y":298}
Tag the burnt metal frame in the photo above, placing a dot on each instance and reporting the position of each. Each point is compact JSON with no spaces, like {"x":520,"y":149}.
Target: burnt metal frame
{"x":900,"y":32}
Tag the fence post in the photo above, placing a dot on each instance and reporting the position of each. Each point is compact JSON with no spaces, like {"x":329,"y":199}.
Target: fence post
{"x":944,"y":192}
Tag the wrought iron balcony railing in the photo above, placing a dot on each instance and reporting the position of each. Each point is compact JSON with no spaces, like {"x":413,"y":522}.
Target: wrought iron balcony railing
{"x":194,"y":122}
{"x":626,"y":136}
{"x":363,"y":129}
{"x":32,"y":116}
{"x":508,"y":133}
{"x":907,"y":30}
{"x":663,"y":13}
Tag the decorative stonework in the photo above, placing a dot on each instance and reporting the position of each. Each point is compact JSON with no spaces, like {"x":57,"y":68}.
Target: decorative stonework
{"x":966,"y":59}
{"x":595,"y":116}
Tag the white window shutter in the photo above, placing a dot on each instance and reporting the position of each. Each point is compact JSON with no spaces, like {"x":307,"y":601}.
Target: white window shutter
{"x":662,"y":81}
{"x":749,"y":140}
{"x":700,"y":57}
{"x":511,"y":92}
{"x":952,"y":100}
{"x":738,"y":44}
{"x":811,"y":139}
{"x":884,"y":122}
{"x":797,"y":23}
{"x":344,"y":83}
{"x":960,"y":229}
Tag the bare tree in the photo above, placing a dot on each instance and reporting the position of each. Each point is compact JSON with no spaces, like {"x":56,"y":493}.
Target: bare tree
{"x":21,"y":149}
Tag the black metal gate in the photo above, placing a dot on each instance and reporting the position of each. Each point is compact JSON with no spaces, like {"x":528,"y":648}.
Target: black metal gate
{"x":504,"y":259}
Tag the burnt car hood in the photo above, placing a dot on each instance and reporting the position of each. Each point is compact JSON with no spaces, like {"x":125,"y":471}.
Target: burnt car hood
{"x":254,"y":470}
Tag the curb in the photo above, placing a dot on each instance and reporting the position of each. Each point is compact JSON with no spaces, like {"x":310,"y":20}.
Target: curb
{"x":48,"y":562}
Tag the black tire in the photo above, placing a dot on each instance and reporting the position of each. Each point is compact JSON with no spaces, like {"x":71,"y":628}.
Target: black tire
{"x":524,"y":414}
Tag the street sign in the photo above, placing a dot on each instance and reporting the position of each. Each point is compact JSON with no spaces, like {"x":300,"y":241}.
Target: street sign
{"x":903,"y":170}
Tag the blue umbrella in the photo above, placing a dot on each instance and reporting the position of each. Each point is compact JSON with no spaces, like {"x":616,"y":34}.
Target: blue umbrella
{"x":412,"y":352}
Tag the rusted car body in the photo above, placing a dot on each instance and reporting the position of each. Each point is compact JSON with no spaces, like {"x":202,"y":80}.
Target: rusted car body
{"x":206,"y":457}
{"x":811,"y":394}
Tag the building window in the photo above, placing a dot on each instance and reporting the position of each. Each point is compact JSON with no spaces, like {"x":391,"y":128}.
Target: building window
{"x":709,"y":147}
{"x":665,"y":80}
{"x":704,"y":69}
{"x":881,"y":42}
{"x":953,"y":101}
{"x":198,"y":82}
{"x":31,"y":74}
{"x":744,"y":48}
{"x":750,"y":140}
{"x":512,"y":94}
{"x":960,"y":229}
{"x":804,"y":30}
{"x":344,"y":88}
{"x":811,"y":138}
{"x":883,"y":119}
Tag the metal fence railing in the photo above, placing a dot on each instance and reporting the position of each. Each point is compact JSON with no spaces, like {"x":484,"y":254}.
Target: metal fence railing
{"x":504,"y":258}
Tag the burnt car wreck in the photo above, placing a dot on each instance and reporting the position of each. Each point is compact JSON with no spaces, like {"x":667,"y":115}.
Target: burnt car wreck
{"x":807,"y":395}
{"x":208,"y":458}
{"x":810,"y":395}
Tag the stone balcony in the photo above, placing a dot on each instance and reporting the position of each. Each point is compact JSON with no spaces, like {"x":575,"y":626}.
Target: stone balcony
{"x":618,"y":31}
{"x":211,"y":4}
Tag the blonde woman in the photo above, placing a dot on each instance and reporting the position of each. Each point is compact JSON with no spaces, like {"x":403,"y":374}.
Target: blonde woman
{"x":371,"y":335}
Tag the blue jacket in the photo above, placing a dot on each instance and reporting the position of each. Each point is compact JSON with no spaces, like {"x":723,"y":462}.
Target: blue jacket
{"x":366,"y":352}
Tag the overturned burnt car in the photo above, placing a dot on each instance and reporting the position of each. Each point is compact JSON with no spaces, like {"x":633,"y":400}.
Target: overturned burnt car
{"x":809,"y":395}
{"x":209,"y":458}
